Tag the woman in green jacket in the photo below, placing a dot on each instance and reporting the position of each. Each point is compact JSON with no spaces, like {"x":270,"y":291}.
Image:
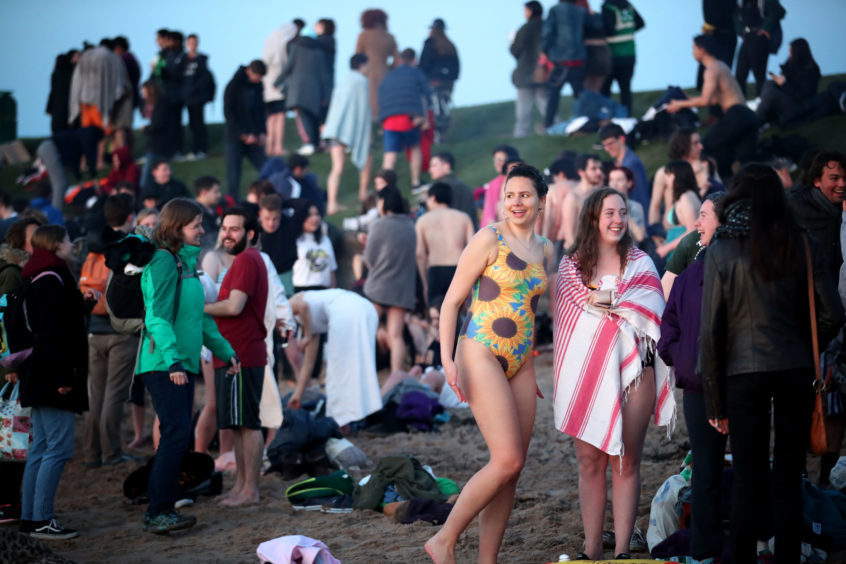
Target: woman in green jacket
{"x":175,"y":330}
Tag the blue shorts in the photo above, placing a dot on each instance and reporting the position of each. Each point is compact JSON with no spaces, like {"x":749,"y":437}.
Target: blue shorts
{"x":396,"y":141}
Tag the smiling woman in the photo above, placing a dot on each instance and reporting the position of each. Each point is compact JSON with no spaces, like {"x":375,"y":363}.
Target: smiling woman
{"x":505,"y":266}
{"x":608,"y":306}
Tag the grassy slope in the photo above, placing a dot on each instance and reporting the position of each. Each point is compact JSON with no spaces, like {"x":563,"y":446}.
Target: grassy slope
{"x":475,"y":131}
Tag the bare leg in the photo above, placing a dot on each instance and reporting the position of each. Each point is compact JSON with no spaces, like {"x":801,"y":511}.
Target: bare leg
{"x":592,"y":495}
{"x":497,"y":412}
{"x":270,"y":140}
{"x":625,"y":483}
{"x":236,"y":489}
{"x":207,"y":422}
{"x":392,"y":380}
{"x":139,"y":414}
{"x":334,"y":179}
{"x":494,"y":518}
{"x":301,"y":130}
{"x":157,"y":435}
{"x":389,"y":161}
{"x":364,"y":179}
{"x":395,"y":323}
{"x":248,"y":442}
{"x":416,"y":164}
{"x":271,"y":434}
{"x":226,"y":441}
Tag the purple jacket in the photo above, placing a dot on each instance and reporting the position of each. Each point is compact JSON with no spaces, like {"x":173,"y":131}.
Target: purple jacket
{"x":679,"y":343}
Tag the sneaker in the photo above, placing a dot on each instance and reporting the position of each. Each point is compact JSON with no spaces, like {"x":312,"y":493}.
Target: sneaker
{"x":25,"y":527}
{"x":306,"y":150}
{"x":120,"y":460}
{"x":51,"y":530}
{"x":168,"y":521}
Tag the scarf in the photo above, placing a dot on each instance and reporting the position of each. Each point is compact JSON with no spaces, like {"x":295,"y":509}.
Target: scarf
{"x":736,"y":225}
{"x":599,"y":353}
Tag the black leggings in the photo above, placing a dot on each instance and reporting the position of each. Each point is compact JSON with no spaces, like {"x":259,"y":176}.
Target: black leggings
{"x":733,"y":137}
{"x":752,"y":400}
{"x":753,"y":55}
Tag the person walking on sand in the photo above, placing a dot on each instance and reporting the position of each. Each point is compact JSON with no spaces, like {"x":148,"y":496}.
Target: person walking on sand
{"x":505,"y":266}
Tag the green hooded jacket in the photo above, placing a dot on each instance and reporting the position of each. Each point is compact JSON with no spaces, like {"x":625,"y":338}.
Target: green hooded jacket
{"x":165,"y":342}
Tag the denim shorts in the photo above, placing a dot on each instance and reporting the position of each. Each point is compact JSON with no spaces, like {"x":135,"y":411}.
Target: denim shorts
{"x":396,"y":141}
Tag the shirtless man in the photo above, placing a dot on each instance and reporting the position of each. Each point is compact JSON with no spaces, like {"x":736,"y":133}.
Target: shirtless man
{"x":558,"y":190}
{"x":589,"y":168}
{"x":442,"y":234}
{"x":735,"y":134}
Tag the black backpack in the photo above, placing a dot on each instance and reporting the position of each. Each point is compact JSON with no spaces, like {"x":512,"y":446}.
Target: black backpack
{"x":124,"y":299}
{"x":15,"y":329}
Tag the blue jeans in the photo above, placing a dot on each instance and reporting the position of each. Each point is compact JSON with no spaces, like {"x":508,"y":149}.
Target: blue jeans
{"x":52,"y":446}
{"x":235,"y":151}
{"x":173,"y":406}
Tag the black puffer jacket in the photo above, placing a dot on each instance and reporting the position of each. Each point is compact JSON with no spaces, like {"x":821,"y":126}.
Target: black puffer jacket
{"x":755,"y":325}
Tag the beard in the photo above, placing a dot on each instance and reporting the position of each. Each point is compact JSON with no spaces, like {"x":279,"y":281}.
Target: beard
{"x":238,"y":248}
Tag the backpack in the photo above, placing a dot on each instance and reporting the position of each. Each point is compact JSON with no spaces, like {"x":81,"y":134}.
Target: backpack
{"x":125,"y":256}
{"x":16,"y":339}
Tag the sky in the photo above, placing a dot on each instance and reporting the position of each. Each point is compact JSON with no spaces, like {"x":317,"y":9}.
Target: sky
{"x":32,"y":33}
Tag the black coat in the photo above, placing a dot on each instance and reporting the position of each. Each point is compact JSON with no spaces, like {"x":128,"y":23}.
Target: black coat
{"x":752,"y":325}
{"x":198,"y":83}
{"x":159,"y":141}
{"x":56,"y":313}
{"x":242,"y":106}
{"x":59,"y":99}
{"x":526,"y":49}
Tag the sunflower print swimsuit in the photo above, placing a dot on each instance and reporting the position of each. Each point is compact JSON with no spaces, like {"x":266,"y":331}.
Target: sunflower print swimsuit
{"x":502,"y":314}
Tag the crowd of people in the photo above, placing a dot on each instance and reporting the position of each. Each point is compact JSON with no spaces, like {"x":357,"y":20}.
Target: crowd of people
{"x":699,"y":271}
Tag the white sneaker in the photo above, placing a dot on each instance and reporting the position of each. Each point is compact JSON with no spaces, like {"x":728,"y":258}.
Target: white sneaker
{"x":306,"y":150}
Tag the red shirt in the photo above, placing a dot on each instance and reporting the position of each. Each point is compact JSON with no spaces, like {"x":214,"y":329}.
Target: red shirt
{"x":246,"y":332}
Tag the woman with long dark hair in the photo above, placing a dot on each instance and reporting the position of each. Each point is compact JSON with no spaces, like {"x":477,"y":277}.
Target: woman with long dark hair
{"x":680,"y":218}
{"x":608,"y":306}
{"x":756,"y":358}
{"x":315,"y":266}
{"x":504,"y":266}
{"x":798,"y":81}
{"x":175,"y":329}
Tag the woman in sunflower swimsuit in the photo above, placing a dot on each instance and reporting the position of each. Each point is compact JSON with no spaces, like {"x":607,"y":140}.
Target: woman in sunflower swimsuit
{"x":505,"y":266}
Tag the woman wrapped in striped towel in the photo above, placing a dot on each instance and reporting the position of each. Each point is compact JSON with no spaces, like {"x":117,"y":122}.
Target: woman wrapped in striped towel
{"x":608,"y":379}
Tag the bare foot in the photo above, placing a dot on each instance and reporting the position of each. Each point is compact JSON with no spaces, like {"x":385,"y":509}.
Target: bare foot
{"x":226,"y":496}
{"x":241,"y":499}
{"x":438,"y":551}
{"x":137,"y":442}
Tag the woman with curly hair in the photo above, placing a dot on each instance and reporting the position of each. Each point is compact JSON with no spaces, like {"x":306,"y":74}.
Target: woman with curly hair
{"x":379,"y":46}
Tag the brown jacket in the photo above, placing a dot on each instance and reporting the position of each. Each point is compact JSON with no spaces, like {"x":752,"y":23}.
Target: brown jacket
{"x":378,"y":45}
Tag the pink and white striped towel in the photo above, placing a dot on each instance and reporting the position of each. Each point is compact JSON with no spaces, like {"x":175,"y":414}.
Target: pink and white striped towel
{"x":599,"y":352}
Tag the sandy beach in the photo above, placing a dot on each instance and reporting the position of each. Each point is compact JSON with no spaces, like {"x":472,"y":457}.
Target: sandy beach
{"x":545,"y":521}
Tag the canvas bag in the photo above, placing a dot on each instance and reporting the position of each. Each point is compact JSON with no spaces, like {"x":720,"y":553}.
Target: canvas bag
{"x":15,"y":426}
